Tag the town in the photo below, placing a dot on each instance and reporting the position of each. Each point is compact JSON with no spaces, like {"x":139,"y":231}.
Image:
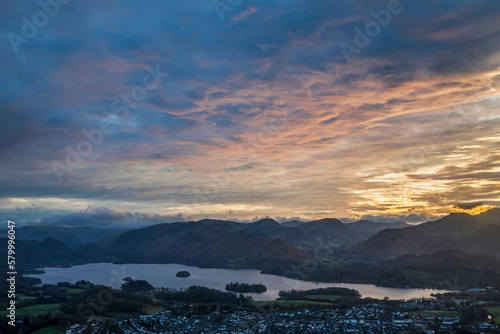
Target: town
{"x":370,"y":318}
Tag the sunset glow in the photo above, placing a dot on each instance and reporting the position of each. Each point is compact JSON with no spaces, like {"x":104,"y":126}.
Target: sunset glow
{"x":257,"y":115}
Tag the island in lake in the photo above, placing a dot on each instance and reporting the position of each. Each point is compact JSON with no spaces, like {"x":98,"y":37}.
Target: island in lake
{"x":183,"y":274}
{"x":245,"y":287}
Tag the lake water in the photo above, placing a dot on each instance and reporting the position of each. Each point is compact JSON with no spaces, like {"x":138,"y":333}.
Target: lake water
{"x":163,"y":275}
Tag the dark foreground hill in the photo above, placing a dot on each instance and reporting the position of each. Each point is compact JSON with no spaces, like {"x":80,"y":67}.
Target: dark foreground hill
{"x":46,"y":252}
{"x":458,"y":250}
{"x":485,"y":241}
{"x":429,"y":237}
{"x":200,"y":244}
{"x":449,"y":269}
{"x":192,"y":243}
{"x":292,"y":223}
{"x":368,"y":228}
{"x":305,"y":236}
{"x":332,"y":232}
{"x":269,"y":228}
{"x":453,"y":268}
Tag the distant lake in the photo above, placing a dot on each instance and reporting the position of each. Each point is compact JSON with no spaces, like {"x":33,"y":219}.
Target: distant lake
{"x":163,"y":275}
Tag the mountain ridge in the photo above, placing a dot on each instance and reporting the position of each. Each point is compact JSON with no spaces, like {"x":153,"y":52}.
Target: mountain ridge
{"x":426,"y":238}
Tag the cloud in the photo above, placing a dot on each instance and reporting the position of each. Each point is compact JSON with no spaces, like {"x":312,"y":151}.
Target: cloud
{"x":385,"y":219}
{"x":244,"y":15}
{"x":242,"y":168}
{"x":472,"y":208}
{"x":467,"y":206}
{"x":409,"y":127}
{"x":329,"y":121}
{"x":32,"y":206}
{"x":108,"y":217}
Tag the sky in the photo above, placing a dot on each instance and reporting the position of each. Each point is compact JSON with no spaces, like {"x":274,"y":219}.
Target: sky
{"x":384,"y":110}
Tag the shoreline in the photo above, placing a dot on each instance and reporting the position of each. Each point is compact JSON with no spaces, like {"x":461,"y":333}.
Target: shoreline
{"x":366,"y":285}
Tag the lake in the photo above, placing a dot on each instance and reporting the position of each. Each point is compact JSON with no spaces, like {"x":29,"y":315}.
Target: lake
{"x":163,"y":275}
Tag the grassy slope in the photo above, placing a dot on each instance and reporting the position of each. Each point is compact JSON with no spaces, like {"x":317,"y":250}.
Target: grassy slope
{"x":36,"y":310}
{"x":495,"y":311}
{"x":325,"y":297}
{"x":48,"y":330}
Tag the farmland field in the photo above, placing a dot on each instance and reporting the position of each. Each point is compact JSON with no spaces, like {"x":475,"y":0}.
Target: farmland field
{"x":36,"y":310}
{"x":48,"y":330}
{"x":325,"y":297}
{"x":22,"y":297}
{"x":73,"y":290}
{"x":495,"y":311}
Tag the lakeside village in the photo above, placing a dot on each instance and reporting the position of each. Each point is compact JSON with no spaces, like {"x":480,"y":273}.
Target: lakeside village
{"x":138,"y":307}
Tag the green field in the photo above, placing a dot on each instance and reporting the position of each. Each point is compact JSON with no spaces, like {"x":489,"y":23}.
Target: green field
{"x":36,"y":310}
{"x":72,"y":290}
{"x":331,"y":298}
{"x":290,"y":302}
{"x":22,"y":297}
{"x":48,"y":330}
{"x":494,"y":311}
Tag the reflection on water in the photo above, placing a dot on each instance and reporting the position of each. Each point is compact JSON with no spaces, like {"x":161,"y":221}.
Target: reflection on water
{"x":163,"y":275}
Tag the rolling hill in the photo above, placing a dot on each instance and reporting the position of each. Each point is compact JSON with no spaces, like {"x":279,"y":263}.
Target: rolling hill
{"x":48,"y":251}
{"x":331,"y":231}
{"x":491,"y":216}
{"x":68,"y":235}
{"x":456,"y":248}
{"x":368,"y":228}
{"x":485,"y":241}
{"x":41,"y":232}
{"x":292,"y":223}
{"x":423,"y":239}
{"x":305,"y":236}
{"x":458,"y":268}
{"x":195,"y":243}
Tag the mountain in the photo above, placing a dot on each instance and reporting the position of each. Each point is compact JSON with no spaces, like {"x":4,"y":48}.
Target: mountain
{"x":484,"y":241}
{"x":454,"y":268}
{"x":368,"y":228}
{"x":272,"y":229}
{"x":88,"y":235}
{"x":331,"y":231}
{"x":41,"y":232}
{"x":202,"y":244}
{"x":68,"y":235}
{"x":423,"y":239}
{"x":269,"y":227}
{"x":447,"y":269}
{"x":292,"y":223}
{"x":491,"y":216}
{"x":48,"y":251}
